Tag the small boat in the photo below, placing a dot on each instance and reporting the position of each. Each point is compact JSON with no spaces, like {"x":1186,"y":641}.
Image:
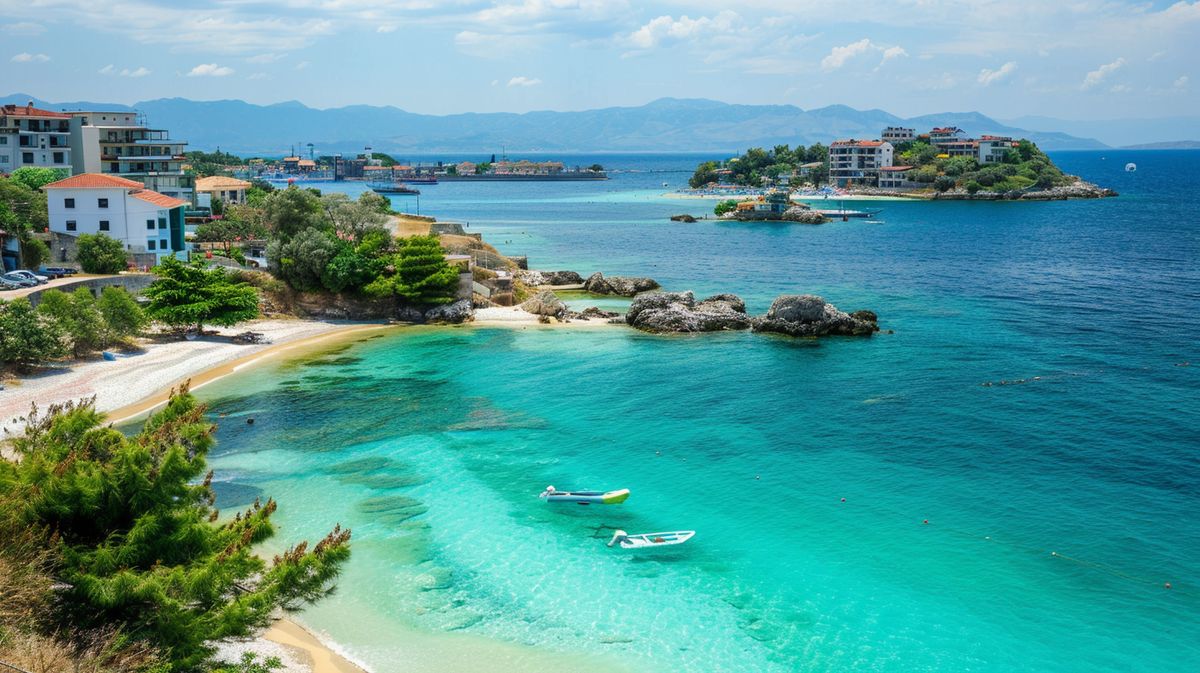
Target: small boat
{"x":843,"y":213}
{"x":650,"y":540}
{"x":1130,"y":167}
{"x":586,"y":497}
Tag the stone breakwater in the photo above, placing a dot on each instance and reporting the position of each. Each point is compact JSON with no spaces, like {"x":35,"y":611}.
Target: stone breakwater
{"x":803,"y":315}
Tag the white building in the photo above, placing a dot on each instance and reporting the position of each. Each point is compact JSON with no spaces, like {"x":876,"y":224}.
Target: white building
{"x":225,"y":189}
{"x":858,"y":162}
{"x":993,"y":149}
{"x":120,"y":143}
{"x":898,"y":134}
{"x":148,"y":223}
{"x":33,"y":137}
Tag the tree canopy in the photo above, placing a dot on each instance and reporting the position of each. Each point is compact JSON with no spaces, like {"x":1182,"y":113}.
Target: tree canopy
{"x":26,"y":336}
{"x":128,"y":529}
{"x":188,"y":294}
{"x":421,"y":276}
{"x":100,"y":253}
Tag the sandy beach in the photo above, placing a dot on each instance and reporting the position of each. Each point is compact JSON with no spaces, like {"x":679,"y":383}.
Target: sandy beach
{"x":513,"y":316}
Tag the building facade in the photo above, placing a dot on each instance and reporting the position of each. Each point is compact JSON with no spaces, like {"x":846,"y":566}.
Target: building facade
{"x":947,"y":134}
{"x":33,"y":137}
{"x":225,"y":189}
{"x":898,"y":134}
{"x":857,"y":162}
{"x":121,"y":144}
{"x":149,"y":224}
{"x":993,"y":149}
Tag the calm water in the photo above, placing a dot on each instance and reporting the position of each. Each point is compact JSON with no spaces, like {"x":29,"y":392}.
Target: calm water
{"x":1057,"y":506}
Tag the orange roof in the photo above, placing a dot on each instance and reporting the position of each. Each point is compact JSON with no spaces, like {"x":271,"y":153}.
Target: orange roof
{"x":291,"y":158}
{"x":307,"y":162}
{"x":895,"y":168}
{"x":858,"y":143}
{"x":220,"y":182}
{"x":161,"y":200}
{"x":94,"y":181}
{"x":31,"y":111}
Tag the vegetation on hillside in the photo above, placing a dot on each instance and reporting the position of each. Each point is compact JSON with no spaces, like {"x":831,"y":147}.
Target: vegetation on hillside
{"x":114,"y":558}
{"x":758,"y":166}
{"x":1023,"y":167}
{"x":187,"y":294}
{"x":205,"y":164}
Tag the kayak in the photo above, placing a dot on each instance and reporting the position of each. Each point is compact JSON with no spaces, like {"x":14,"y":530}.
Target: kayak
{"x":650,"y":540}
{"x":586,"y":497}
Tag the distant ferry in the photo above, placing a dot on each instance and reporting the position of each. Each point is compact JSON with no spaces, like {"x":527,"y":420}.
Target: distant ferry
{"x":392,"y":188}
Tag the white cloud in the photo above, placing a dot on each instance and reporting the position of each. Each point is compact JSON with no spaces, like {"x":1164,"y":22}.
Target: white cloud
{"x":264,"y":58}
{"x":1098,"y":75}
{"x":1156,"y":56}
{"x":141,"y":71}
{"x":524,"y":81}
{"x":667,"y":29}
{"x":107,"y":70}
{"x":23,"y":28}
{"x":839,"y":56}
{"x":387,"y":28}
{"x":210,"y":70}
{"x":988,"y":77}
{"x":26,"y":57}
{"x":1180,"y":83}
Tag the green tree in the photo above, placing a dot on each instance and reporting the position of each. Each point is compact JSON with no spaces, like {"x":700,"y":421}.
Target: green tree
{"x":123,"y":318}
{"x":385,"y":159}
{"x":352,"y":220}
{"x":725,"y":206}
{"x":35,"y":178}
{"x":973,"y":187}
{"x":422,"y":276}
{"x":99,"y":253}
{"x":301,"y":261}
{"x":291,"y":211}
{"x":706,"y":173}
{"x":375,"y":202}
{"x":34,"y":252}
{"x":943,"y":183}
{"x":131,"y":524}
{"x":79,"y":322}
{"x":187,"y":294}
{"x":26,"y":337}
{"x":26,"y":206}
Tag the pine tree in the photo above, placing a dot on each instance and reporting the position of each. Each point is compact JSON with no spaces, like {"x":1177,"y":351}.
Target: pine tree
{"x":123,"y":318}
{"x":187,"y":294}
{"x":27,"y":338}
{"x":422,"y":274}
{"x":137,"y":547}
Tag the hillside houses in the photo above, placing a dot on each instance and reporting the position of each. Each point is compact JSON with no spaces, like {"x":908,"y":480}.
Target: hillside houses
{"x":870,"y":163}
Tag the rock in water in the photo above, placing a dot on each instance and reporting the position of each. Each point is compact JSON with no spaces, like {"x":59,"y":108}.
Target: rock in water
{"x":619,"y":285}
{"x":545,"y":303}
{"x":459,"y":311}
{"x":680,"y":312}
{"x":803,"y":215}
{"x":810,"y":316}
{"x":550,"y":278}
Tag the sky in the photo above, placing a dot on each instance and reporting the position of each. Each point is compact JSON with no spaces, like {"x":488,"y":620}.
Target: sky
{"x":1006,"y":58}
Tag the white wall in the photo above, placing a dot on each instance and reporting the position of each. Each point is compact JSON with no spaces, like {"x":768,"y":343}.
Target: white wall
{"x":126,"y":216}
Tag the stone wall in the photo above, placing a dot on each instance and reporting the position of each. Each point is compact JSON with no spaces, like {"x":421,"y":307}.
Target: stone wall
{"x":133,"y":283}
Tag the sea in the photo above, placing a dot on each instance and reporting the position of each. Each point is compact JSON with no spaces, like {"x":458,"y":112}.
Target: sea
{"x":1005,"y":478}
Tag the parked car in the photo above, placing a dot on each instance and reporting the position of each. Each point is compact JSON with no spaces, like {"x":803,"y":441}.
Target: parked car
{"x":37,"y":279}
{"x":57,"y":271}
{"x":20,"y":281}
{"x":7,"y":285}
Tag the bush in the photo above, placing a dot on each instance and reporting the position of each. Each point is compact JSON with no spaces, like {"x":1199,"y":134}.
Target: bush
{"x":123,"y":318}
{"x":34,"y":253}
{"x":943,"y":183}
{"x":724,"y":207}
{"x":301,"y":261}
{"x":99,"y":253}
{"x":80,"y":324}
{"x":26,"y":337}
{"x":973,"y":187}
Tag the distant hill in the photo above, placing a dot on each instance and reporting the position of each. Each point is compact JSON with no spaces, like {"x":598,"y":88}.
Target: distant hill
{"x":1117,"y":132}
{"x":664,"y":125}
{"x":1168,"y":145}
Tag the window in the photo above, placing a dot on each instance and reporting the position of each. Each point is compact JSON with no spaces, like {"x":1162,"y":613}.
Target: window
{"x":58,"y":157}
{"x":70,"y":225}
{"x":149,"y":224}
{"x":103,"y":225}
{"x":103,"y":203}
{"x":114,"y":167}
{"x":3,"y":140}
{"x":162,"y":223}
{"x":27,"y":157}
{"x":150,"y":244}
{"x":68,"y":203}
{"x":162,"y":244}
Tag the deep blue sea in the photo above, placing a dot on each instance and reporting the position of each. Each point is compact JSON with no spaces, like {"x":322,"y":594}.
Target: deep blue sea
{"x":860,"y":504}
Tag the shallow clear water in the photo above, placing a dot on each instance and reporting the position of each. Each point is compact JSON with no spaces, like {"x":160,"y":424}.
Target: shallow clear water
{"x":1057,"y":506}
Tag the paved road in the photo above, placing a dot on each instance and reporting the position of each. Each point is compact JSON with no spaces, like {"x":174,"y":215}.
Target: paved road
{"x":57,"y":282}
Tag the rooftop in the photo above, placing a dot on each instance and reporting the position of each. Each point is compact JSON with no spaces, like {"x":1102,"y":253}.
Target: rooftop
{"x":220,"y":182}
{"x":30,"y":111}
{"x":161,"y":200}
{"x":94,"y":181}
{"x":857,"y":143}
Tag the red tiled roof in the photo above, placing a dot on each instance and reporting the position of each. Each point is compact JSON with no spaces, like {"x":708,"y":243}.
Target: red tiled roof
{"x":161,"y":200}
{"x":858,"y":143}
{"x":94,"y":181}
{"x":30,"y":111}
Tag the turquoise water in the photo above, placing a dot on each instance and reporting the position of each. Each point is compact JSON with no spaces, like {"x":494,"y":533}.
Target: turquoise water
{"x":1058,"y":504}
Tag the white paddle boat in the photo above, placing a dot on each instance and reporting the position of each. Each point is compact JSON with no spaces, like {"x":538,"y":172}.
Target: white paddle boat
{"x":650,"y":540}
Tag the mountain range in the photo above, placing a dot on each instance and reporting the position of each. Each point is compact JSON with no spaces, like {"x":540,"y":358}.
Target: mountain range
{"x":664,"y":125}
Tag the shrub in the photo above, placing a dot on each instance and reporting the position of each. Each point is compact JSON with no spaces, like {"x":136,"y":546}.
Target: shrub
{"x":187,"y":294}
{"x":943,"y":183}
{"x":34,"y":253}
{"x":301,"y":261}
{"x":27,"y":338}
{"x":99,"y":253}
{"x":123,"y":318}
{"x":79,"y":322}
{"x":973,"y":187}
{"x":724,"y":207}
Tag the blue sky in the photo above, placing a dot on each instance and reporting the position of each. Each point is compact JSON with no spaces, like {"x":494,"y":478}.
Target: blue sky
{"x":1079,"y":60}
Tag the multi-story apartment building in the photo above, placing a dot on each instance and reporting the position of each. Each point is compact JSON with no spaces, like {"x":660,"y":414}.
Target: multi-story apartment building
{"x":898,"y":134}
{"x":33,"y":137}
{"x":993,"y":149}
{"x":121,"y":144}
{"x":150,"y":224}
{"x":858,"y":162}
{"x":947,"y":134}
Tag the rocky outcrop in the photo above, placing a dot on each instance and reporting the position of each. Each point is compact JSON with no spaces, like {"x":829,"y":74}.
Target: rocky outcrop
{"x":536,"y":278}
{"x":545,"y":303}
{"x":592,"y":312}
{"x":680,"y":312}
{"x":807,"y":315}
{"x":683,"y":218}
{"x":804,"y":215}
{"x":618,"y":285}
{"x":458,"y":312}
